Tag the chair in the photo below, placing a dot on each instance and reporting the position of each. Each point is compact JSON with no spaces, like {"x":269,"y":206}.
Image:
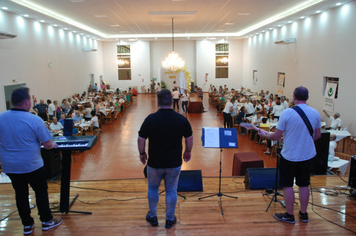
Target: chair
{"x":265,"y":129}
{"x":352,"y":140}
{"x":108,"y":118}
{"x":89,"y":130}
{"x":343,"y":156}
{"x":234,"y":125}
{"x":143,"y":89}
{"x":221,"y":106}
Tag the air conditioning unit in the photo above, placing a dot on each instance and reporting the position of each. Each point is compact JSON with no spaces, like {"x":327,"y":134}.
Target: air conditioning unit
{"x":7,"y":35}
{"x":286,"y":41}
{"x":86,"y":49}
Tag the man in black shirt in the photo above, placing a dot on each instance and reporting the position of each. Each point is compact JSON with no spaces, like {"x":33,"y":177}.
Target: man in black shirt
{"x":165,"y":130}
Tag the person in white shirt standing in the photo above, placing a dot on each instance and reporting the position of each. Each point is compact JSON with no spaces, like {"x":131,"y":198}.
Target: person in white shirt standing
{"x":175,"y":95}
{"x":185,"y":99}
{"x":227,"y":113}
{"x":249,"y":108}
{"x":335,"y":121}
{"x":297,"y":153}
{"x":51,"y":109}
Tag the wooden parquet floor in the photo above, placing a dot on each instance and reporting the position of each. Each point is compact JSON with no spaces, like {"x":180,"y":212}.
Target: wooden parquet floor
{"x":122,"y":210}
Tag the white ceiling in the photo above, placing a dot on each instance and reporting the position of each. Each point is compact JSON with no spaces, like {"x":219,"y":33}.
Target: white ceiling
{"x":149,"y":19}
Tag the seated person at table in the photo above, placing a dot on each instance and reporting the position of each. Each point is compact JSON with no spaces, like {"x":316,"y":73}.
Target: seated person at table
{"x":112,"y":107}
{"x":256,"y":121}
{"x":134,"y":92}
{"x":241,"y":117}
{"x":95,"y":121}
{"x":277,"y":109}
{"x":77,"y":118}
{"x":55,"y":125}
{"x":87,"y":113}
{"x":222,"y":99}
{"x":61,"y":120}
{"x":335,"y":121}
{"x":332,"y":144}
{"x":258,"y":105}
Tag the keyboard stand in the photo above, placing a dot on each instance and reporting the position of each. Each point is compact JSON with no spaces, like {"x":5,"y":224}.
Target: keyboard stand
{"x":64,"y":204}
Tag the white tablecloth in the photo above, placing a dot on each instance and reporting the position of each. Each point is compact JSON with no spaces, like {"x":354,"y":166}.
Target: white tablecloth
{"x":340,"y":134}
{"x":341,"y":164}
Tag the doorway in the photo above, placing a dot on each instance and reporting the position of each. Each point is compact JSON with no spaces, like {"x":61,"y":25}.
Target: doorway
{"x":8,"y":91}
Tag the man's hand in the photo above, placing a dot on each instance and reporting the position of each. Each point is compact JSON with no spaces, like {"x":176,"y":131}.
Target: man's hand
{"x":143,"y":158}
{"x":186,"y":156}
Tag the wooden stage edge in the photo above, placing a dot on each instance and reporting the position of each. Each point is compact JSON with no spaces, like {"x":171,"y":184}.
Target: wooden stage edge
{"x":122,"y":208}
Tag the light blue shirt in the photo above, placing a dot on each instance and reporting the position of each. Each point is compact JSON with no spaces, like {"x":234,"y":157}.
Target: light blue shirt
{"x":20,"y":133}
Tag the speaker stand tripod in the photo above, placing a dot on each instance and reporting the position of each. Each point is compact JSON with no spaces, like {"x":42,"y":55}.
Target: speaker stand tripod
{"x":276,"y":193}
{"x":219,"y":194}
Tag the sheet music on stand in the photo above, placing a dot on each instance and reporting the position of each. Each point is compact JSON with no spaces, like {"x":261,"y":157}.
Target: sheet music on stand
{"x":213,"y":137}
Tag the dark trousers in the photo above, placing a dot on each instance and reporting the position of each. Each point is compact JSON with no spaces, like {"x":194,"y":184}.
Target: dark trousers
{"x":175,"y":101}
{"x":227,"y":120}
{"x":43,"y":116}
{"x":37,"y":180}
{"x":185,"y":106}
{"x":254,"y":132}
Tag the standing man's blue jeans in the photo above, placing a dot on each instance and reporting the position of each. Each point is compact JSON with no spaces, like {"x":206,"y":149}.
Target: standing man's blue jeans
{"x":171,"y":177}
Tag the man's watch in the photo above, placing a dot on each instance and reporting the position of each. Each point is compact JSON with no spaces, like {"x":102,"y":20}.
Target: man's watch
{"x":142,"y":153}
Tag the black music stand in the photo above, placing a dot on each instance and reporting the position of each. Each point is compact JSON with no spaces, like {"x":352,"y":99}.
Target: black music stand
{"x":226,"y":138}
{"x":276,"y":193}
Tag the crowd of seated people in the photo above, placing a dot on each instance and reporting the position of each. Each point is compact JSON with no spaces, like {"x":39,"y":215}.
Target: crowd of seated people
{"x":252,"y":107}
{"x":91,"y":107}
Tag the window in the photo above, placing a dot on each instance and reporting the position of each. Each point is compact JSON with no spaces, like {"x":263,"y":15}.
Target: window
{"x":222,"y":60}
{"x":124,"y":62}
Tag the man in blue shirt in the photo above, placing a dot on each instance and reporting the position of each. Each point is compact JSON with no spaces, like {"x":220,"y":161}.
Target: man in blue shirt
{"x":21,"y":160}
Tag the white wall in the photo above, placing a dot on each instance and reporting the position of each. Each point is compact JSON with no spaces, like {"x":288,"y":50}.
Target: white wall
{"x":140,"y":64}
{"x":325,"y":47}
{"x":160,"y":50}
{"x":26,"y":57}
{"x":205,"y":61}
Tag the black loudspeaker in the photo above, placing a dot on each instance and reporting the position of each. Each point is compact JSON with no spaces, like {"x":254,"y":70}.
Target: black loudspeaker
{"x":352,"y":173}
{"x":190,"y":180}
{"x":52,"y":163}
{"x":260,"y":178}
{"x":68,"y":127}
{"x":320,"y":161}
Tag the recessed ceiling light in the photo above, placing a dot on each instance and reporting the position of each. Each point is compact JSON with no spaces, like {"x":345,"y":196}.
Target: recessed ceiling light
{"x":74,"y":31}
{"x":4,"y":8}
{"x":81,"y":34}
{"x":65,"y":28}
{"x":317,"y":11}
{"x":229,"y":23}
{"x":279,"y":25}
{"x":212,"y":38}
{"x":25,"y":15}
{"x":271,"y":28}
{"x":338,"y":4}
{"x":302,"y":17}
{"x":55,"y":25}
{"x":263,"y":31}
{"x":290,"y":21}
{"x":257,"y":33}
{"x":42,"y":21}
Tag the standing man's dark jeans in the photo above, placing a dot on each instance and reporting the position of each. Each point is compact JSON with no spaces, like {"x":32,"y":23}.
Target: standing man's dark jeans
{"x":227,"y":120}
{"x":43,"y":116}
{"x":37,"y":180}
{"x":176,"y":101}
{"x":185,"y":106}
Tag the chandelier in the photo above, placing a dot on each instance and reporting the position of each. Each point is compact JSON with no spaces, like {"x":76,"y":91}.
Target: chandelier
{"x":173,"y":62}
